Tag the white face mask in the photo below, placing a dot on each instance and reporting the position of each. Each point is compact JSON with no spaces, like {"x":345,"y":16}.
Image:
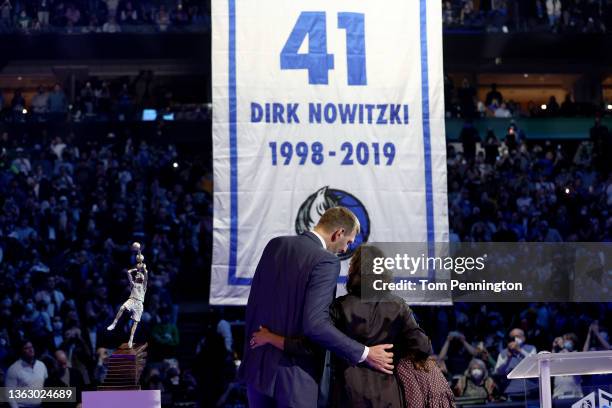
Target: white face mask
{"x":477,"y":373}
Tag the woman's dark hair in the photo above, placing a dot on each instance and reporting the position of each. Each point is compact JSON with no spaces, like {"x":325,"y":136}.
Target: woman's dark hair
{"x":353,"y":282}
{"x":573,"y":338}
{"x":361,"y":270}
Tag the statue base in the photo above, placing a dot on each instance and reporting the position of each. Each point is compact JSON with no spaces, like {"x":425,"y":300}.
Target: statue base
{"x":124,"y":368}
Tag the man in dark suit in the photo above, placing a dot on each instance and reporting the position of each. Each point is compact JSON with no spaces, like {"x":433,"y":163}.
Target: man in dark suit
{"x":68,"y":375}
{"x":292,"y":289}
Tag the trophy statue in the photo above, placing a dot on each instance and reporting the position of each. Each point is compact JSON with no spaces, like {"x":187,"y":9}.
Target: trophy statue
{"x":126,"y":364}
{"x":135,"y":302}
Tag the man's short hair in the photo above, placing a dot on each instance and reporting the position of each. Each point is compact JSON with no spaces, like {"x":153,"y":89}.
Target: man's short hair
{"x":517,"y":329}
{"x":339,"y":218}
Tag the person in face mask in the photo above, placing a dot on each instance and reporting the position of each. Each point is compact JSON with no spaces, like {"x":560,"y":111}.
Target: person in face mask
{"x":566,"y":386}
{"x":565,"y":344}
{"x":44,"y":298}
{"x":516,"y":350}
{"x":30,"y":314}
{"x":476,"y":383}
{"x":58,"y":331}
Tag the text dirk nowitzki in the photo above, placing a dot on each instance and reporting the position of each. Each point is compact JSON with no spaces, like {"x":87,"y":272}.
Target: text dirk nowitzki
{"x":330,"y":113}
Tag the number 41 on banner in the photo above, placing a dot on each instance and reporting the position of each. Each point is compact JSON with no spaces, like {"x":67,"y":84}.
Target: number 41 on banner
{"x":317,"y":61}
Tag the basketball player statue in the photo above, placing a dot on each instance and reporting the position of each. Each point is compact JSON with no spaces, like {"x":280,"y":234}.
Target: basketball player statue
{"x":135,"y":302}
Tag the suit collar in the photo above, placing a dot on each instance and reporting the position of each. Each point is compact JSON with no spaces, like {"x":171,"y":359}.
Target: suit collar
{"x":320,"y":238}
{"x":314,"y":238}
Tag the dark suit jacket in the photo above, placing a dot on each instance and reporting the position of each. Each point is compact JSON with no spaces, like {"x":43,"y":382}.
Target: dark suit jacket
{"x":76,"y":380}
{"x":292,"y":289}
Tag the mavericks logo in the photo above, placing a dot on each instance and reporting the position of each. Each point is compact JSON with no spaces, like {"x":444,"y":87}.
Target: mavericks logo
{"x":315,"y":205}
{"x":605,"y":400}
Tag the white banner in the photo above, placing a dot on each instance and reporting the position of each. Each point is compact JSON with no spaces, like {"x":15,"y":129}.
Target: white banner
{"x":321,"y":103}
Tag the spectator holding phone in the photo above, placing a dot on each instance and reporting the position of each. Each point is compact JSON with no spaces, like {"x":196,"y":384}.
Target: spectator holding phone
{"x":566,"y":386}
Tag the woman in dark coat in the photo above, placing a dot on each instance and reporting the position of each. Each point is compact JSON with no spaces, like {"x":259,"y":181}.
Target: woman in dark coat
{"x":381,"y":318}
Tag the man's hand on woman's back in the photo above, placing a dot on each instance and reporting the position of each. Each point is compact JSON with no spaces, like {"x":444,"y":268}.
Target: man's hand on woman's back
{"x":380,"y":359}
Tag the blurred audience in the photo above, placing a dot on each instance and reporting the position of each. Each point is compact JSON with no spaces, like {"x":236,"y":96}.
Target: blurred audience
{"x":121,"y":99}
{"x":108,"y":16}
{"x":464,"y":103}
{"x":70,"y":209}
{"x":557,"y":16}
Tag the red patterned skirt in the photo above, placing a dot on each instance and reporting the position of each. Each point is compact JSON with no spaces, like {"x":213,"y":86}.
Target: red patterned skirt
{"x":424,"y":389}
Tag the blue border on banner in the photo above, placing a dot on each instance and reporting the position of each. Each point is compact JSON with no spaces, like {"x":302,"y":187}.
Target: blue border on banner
{"x":234,"y":280}
{"x":431,"y":232}
{"x":233,"y":111}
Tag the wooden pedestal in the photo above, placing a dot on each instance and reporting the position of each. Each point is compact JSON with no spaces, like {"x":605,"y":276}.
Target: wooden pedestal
{"x":124,"y":367}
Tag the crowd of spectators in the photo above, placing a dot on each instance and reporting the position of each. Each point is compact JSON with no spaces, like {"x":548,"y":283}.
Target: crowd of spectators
{"x":514,"y":191}
{"x":95,"y":100}
{"x":103,"y":16}
{"x":114,"y":16}
{"x":462,"y":101}
{"x":477,"y":345}
{"x":70,"y":207}
{"x":582,"y":16}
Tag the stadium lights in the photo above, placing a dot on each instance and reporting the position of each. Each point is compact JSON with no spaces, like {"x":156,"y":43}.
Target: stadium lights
{"x":543,"y":106}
